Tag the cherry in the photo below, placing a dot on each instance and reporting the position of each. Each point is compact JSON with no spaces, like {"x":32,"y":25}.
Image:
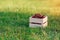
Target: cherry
{"x":38,"y":16}
{"x":43,"y":16}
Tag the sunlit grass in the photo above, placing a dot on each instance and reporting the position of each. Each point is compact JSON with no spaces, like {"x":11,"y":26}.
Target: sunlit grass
{"x":32,"y":6}
{"x":14,"y":19}
{"x":15,"y":26}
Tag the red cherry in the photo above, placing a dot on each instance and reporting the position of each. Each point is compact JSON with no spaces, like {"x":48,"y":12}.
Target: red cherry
{"x":38,"y":16}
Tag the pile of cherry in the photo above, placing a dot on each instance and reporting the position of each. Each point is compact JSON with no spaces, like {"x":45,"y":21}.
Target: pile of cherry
{"x":38,"y":16}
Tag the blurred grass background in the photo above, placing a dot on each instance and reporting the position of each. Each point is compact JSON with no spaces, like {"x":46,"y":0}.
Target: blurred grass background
{"x":14,"y":19}
{"x":51,"y":6}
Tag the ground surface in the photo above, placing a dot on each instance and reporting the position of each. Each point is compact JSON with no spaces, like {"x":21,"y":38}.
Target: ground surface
{"x":15,"y":26}
{"x":14,"y":20}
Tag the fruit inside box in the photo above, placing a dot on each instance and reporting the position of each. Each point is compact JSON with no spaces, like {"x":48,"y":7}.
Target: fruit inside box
{"x":38,"y":16}
{"x":41,"y":21}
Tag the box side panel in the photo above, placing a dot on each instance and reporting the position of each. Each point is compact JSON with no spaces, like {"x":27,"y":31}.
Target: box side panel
{"x":44,"y":25}
{"x":34,"y":25}
{"x":35,"y":20}
{"x":45,"y":19}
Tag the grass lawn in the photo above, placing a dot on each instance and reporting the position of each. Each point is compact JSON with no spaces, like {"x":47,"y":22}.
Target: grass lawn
{"x":15,"y":26}
{"x":14,"y":19}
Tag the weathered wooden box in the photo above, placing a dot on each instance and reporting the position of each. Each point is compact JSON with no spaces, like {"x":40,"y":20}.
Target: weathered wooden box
{"x":38,"y":22}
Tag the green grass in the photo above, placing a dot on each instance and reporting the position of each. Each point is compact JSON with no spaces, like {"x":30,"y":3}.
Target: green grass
{"x":15,"y":26}
{"x":14,"y":20}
